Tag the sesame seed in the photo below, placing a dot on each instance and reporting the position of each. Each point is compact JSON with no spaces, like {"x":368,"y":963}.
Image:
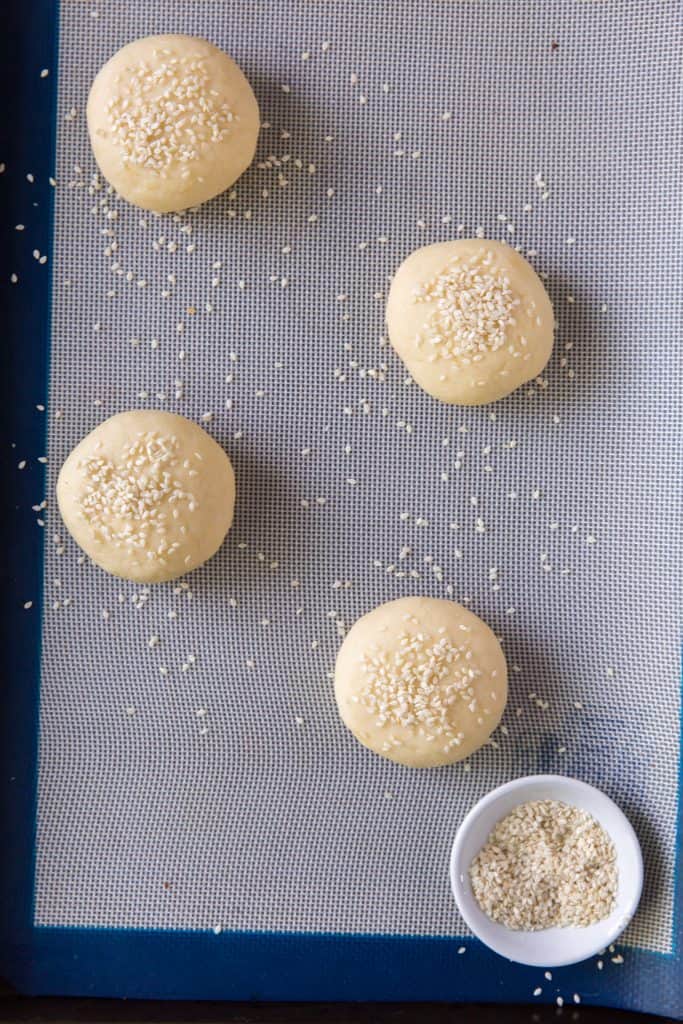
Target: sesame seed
{"x":126,"y":502}
{"x":167,"y":114}
{"x":546,"y":864}
{"x":418,"y":683}
{"x":473,"y":306}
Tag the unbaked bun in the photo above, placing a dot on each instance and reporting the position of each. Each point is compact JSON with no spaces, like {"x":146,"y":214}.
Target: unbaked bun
{"x":421,"y":681}
{"x":470,"y":319}
{"x":172,"y":122}
{"x":148,"y":495}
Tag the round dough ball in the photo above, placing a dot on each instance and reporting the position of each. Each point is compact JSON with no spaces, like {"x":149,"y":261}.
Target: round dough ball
{"x":148,"y":495}
{"x":421,"y":681}
{"x":470,"y":319}
{"x":172,"y":122}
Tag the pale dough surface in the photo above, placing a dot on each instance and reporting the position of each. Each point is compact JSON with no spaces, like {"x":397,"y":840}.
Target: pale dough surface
{"x":422,"y":681}
{"x":172,"y":122}
{"x":147,"y":495}
{"x":470,"y":319}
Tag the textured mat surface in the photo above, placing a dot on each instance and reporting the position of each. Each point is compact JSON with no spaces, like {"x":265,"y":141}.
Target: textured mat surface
{"x":205,"y":780}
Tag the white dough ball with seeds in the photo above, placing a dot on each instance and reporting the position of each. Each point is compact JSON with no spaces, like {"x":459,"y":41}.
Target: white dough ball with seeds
{"x":148,"y":495}
{"x":470,"y":319}
{"x":421,"y":681}
{"x":172,"y":122}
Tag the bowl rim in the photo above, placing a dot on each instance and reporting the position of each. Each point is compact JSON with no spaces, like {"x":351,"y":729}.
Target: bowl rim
{"x":627,"y":835}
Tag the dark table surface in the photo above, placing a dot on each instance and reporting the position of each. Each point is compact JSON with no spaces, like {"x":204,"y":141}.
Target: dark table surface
{"x":109,"y":1011}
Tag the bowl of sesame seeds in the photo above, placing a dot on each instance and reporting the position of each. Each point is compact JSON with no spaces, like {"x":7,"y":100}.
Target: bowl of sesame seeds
{"x":546,"y":870}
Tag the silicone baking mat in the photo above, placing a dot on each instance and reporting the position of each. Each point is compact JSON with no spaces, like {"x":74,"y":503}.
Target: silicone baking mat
{"x":195,"y":787}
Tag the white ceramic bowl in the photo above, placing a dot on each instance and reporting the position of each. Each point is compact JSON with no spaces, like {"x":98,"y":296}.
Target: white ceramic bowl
{"x":552,"y":947}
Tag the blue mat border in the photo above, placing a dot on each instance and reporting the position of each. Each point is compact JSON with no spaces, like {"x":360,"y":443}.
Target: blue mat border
{"x":175,"y":964}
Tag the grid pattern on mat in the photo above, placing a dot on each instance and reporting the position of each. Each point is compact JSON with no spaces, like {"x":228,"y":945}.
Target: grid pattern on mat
{"x":225,"y":791}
